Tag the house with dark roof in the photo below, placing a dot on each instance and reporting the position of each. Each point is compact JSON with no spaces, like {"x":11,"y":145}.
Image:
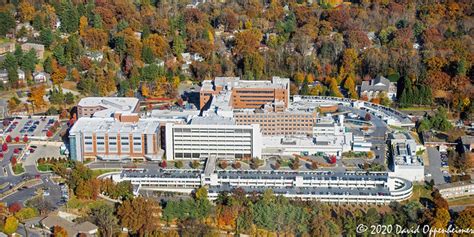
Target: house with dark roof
{"x":375,"y":87}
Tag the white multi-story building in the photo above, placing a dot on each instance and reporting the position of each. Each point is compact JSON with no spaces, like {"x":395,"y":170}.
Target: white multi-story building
{"x":325,"y":186}
{"x":212,"y":135}
{"x":405,"y":163}
{"x":115,"y":139}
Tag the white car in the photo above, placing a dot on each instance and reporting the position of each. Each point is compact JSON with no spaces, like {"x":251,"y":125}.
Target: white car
{"x":46,"y":194}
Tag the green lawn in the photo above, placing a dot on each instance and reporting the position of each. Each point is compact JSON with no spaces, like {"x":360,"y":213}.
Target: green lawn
{"x":45,"y":167}
{"x":96,"y":173}
{"x":83,"y":206}
{"x":18,"y":169}
{"x":420,"y":191}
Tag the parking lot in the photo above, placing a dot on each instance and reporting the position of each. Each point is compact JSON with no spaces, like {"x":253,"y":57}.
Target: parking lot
{"x":434,"y":170}
{"x":40,"y":151}
{"x":35,"y":127}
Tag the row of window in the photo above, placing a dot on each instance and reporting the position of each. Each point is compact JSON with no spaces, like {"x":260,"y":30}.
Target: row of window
{"x":273,"y":115}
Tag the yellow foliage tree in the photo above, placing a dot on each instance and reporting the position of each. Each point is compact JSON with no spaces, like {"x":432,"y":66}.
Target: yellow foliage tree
{"x":160,"y":87}
{"x":145,"y":89}
{"x":83,"y":23}
{"x":349,"y":85}
{"x":11,"y":224}
{"x":299,"y":78}
{"x":36,"y":96}
{"x":58,"y":75}
{"x":26,"y":10}
{"x":310,"y":78}
{"x":157,"y":44}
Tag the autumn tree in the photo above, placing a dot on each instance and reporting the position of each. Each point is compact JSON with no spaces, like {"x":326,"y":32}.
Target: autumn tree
{"x":140,"y":215}
{"x":59,"y":231}
{"x":26,"y":11}
{"x":58,"y":75}
{"x":36,"y":96}
{"x":11,"y":225}
{"x":95,"y":38}
{"x":103,"y":216}
{"x":157,"y":44}
{"x":247,"y":41}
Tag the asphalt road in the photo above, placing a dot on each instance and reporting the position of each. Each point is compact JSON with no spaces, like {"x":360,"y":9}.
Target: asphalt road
{"x":5,"y":161}
{"x":376,"y":137}
{"x":434,"y":168}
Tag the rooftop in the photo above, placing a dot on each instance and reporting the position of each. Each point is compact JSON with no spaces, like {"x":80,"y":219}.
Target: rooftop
{"x":110,"y":105}
{"x":234,"y":82}
{"x":455,"y":184}
{"x":212,"y":119}
{"x":111,"y":125}
{"x":379,"y":83}
{"x":467,"y":140}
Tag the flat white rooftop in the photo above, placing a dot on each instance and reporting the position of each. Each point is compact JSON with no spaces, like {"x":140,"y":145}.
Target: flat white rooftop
{"x":212,"y":119}
{"x":111,"y":125}
{"x":235,"y":82}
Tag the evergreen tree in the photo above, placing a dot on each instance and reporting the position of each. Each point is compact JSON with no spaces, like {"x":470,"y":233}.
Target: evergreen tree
{"x":69,"y":17}
{"x":29,"y":61}
{"x":7,"y":23}
{"x":48,"y":64}
{"x":46,"y":36}
{"x":147,"y":55}
{"x":305,"y":88}
{"x":11,"y":64}
{"x":97,"y":21}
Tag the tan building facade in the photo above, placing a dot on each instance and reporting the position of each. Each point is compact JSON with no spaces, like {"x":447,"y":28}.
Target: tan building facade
{"x":247,"y":94}
{"x":7,"y":47}
{"x":279,"y":123}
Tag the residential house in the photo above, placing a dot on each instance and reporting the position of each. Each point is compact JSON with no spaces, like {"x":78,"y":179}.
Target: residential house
{"x":65,"y":220}
{"x":7,"y":47}
{"x":4,"y":76}
{"x":21,"y":76}
{"x":375,"y":87}
{"x":189,"y":58}
{"x":467,"y":143}
{"x":95,"y":56}
{"x":39,"y":48}
{"x":41,"y":77}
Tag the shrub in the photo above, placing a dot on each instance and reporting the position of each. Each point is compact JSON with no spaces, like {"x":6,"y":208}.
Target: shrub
{"x":237,"y":165}
{"x":223,"y":164}
{"x":163,"y":164}
{"x":314,"y":165}
{"x":194,"y":164}
{"x":295,"y":164}
{"x":178,"y":164}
